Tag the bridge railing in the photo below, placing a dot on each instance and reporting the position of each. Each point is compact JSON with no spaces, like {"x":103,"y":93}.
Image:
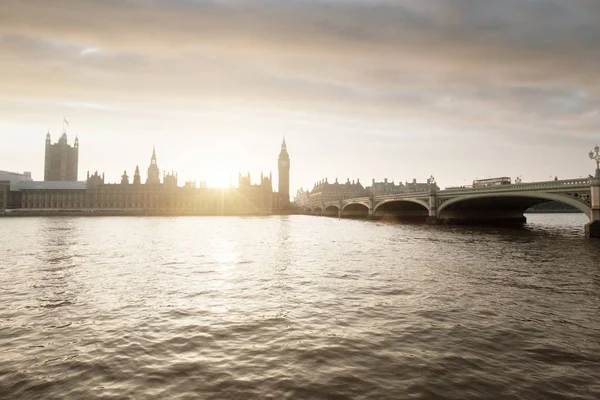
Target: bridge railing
{"x":355,"y":199}
{"x":390,"y":196}
{"x":393,"y":196}
{"x":543,"y":185}
{"x":567,"y":183}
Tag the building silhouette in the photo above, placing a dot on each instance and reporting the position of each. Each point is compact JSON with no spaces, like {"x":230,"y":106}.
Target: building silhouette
{"x":387,"y":187}
{"x":258,"y":196}
{"x":153,"y":171}
{"x":125,"y":178}
{"x":137,"y":179}
{"x":70,"y":197}
{"x":62,"y":160}
{"x":302,"y":197}
{"x":323,"y":191}
{"x":15,"y":176}
{"x":284,"y":176}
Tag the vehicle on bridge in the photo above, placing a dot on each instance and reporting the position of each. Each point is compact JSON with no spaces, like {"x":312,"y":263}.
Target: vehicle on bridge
{"x":491,"y":182}
{"x":458,"y":187}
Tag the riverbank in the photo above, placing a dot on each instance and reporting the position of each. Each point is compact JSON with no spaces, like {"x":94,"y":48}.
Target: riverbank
{"x":130,"y":213}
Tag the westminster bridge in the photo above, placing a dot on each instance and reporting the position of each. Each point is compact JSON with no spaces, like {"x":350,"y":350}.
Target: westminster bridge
{"x":488,"y":204}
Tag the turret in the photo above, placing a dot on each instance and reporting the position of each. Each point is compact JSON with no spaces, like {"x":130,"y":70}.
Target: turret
{"x":244,"y":180}
{"x":170,"y":180}
{"x":125,"y":178}
{"x":95,"y":180}
{"x":137,"y":179}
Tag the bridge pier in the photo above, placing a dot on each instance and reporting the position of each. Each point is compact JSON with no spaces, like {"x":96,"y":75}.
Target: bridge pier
{"x":592,"y":229}
{"x":432,"y":218}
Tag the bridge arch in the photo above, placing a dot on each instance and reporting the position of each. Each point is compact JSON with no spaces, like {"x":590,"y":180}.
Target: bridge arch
{"x":515,"y":204}
{"x":402,"y":209}
{"x":355,"y":210}
{"x":331,"y":210}
{"x":317,"y":210}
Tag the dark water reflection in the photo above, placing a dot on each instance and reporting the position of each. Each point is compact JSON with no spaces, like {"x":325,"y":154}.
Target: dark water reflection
{"x":298,"y":307}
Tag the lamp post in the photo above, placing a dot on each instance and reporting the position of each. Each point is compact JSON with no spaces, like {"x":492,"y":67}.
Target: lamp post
{"x":596,"y":157}
{"x":593,"y":228}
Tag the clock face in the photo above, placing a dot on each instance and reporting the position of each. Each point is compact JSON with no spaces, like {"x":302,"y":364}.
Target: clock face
{"x":283,"y":163}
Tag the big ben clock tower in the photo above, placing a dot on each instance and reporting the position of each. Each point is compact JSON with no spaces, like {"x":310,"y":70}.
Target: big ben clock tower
{"x":284,"y":176}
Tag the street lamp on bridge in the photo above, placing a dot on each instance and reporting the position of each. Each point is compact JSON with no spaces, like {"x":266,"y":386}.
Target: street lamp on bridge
{"x":596,"y":157}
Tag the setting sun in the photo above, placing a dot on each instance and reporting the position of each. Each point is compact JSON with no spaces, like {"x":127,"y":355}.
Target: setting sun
{"x":219,"y":178}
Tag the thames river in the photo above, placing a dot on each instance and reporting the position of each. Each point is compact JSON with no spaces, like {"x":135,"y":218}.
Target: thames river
{"x":297,"y":307}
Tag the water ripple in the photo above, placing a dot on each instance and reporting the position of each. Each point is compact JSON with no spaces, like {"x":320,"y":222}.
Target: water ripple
{"x":297,"y":308}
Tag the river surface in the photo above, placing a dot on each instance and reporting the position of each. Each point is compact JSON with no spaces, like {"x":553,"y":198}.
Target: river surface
{"x":297,"y":307}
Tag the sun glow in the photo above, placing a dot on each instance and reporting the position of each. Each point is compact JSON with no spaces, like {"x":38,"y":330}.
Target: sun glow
{"x":217,"y":169}
{"x":220,"y":179}
{"x":216,"y":174}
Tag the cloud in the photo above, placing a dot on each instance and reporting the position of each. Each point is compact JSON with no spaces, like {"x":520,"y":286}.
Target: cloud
{"x":475,"y":64}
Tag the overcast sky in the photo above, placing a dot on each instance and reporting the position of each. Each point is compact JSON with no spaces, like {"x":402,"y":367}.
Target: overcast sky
{"x":457,"y":89}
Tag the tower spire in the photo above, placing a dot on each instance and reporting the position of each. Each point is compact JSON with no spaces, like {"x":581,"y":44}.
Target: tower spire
{"x":284,"y":176}
{"x":153,"y":171}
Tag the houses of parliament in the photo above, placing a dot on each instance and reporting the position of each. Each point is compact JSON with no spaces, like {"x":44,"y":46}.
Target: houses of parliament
{"x":61,"y":192}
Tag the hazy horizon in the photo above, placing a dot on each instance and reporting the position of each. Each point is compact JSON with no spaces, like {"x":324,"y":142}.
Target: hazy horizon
{"x":458,"y":89}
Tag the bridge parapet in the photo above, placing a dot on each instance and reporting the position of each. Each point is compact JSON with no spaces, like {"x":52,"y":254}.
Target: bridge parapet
{"x":400,"y":196}
{"x":355,"y":200}
{"x":546,"y":185}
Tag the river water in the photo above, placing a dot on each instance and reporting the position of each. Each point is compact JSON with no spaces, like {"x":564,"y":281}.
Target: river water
{"x":297,"y":307}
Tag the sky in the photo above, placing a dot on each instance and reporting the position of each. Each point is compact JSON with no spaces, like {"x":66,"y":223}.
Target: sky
{"x":361,"y":89}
